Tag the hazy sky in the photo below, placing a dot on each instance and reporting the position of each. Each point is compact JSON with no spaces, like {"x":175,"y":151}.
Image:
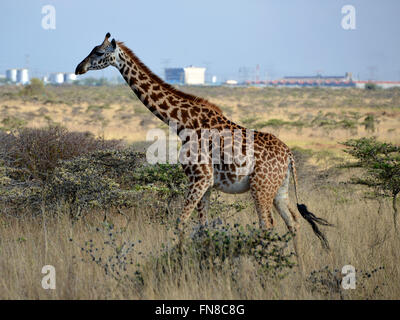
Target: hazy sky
{"x":285,"y":37}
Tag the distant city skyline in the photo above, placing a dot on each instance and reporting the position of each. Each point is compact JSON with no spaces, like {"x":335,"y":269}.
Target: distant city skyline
{"x":232,"y":39}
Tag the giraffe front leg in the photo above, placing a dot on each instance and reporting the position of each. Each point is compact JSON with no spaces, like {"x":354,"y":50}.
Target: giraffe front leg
{"x":200,"y":180}
{"x":197,"y":190}
{"x":203,"y":206}
{"x":195,"y":194}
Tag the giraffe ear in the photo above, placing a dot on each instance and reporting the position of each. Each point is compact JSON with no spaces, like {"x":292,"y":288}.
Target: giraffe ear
{"x":113,"y":43}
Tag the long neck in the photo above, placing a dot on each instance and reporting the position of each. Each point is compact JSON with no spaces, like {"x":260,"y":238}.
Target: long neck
{"x":151,"y":90}
{"x":164,"y":101}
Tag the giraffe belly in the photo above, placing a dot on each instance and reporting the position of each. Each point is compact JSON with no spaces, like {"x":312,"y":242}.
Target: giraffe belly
{"x":233,"y":186}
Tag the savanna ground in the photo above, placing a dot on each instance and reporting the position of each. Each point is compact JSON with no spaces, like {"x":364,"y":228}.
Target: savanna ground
{"x":127,"y":250}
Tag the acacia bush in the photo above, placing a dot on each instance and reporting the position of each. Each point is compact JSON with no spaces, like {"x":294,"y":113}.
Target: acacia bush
{"x":382,"y":163}
{"x":54,"y":168}
{"x":36,"y":87}
{"x":36,"y":152}
{"x":220,"y":248}
{"x":93,"y":180}
{"x":114,"y":178}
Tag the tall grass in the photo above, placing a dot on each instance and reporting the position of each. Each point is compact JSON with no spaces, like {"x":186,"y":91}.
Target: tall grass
{"x":129,"y":251}
{"x":363,"y":237}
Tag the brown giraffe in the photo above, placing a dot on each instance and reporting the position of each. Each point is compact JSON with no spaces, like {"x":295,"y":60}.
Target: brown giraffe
{"x":273,"y":162}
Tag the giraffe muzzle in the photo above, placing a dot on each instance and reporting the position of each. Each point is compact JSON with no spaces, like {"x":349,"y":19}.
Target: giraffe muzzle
{"x":81,"y":68}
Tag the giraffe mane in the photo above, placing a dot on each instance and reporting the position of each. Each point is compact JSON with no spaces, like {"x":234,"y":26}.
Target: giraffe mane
{"x":165,"y":85}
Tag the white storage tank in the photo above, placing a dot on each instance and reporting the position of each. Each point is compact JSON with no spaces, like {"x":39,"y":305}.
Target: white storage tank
{"x":69,"y":77}
{"x":11,"y":75}
{"x":22,"y":76}
{"x":231,"y":82}
{"x":194,"y":75}
{"x":57,"y":78}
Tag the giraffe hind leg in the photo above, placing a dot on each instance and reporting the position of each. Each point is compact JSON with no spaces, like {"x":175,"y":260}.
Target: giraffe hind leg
{"x":281,"y":203}
{"x":263,"y":206}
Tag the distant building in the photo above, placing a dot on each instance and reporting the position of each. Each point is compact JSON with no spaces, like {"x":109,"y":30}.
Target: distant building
{"x":194,"y":75}
{"x":69,"y":77}
{"x":60,"y":78}
{"x":319,"y":77}
{"x":310,"y":81}
{"x":56,"y":78}
{"x":11,"y":75}
{"x":22,"y":76}
{"x":175,"y":75}
{"x":231,"y":82}
{"x":190,"y":75}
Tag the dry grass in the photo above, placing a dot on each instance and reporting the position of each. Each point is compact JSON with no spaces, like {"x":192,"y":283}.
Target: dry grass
{"x":113,"y":111}
{"x":363,"y":235}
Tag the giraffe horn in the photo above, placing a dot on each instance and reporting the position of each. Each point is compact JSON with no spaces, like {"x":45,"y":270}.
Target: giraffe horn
{"x":108,"y":35}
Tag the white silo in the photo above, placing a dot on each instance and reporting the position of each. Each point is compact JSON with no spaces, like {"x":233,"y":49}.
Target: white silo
{"x":69,"y":77}
{"x":11,"y":75}
{"x":22,"y":76}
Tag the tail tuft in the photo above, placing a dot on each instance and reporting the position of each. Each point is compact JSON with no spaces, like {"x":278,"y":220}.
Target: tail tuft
{"x":313,"y":220}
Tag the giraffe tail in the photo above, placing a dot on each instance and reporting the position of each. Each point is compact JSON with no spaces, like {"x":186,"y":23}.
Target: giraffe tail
{"x":311,"y":218}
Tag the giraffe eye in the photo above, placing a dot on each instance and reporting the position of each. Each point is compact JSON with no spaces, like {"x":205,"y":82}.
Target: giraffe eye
{"x":99,"y":54}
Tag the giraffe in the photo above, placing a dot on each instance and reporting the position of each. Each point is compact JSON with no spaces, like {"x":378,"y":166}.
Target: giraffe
{"x":273,"y":162}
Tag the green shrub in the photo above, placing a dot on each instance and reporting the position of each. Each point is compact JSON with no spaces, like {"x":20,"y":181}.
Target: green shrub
{"x":101,"y":179}
{"x":165,"y":177}
{"x":328,"y":121}
{"x":369,"y":123}
{"x":10,"y":123}
{"x":371,"y":86}
{"x":347,"y":124}
{"x":114,"y":178}
{"x":221,"y":246}
{"x":278,"y":123}
{"x":36,"y":87}
{"x":382,"y":163}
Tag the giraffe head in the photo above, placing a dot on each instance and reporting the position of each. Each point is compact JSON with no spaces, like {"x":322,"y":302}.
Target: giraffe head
{"x":100,"y":57}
